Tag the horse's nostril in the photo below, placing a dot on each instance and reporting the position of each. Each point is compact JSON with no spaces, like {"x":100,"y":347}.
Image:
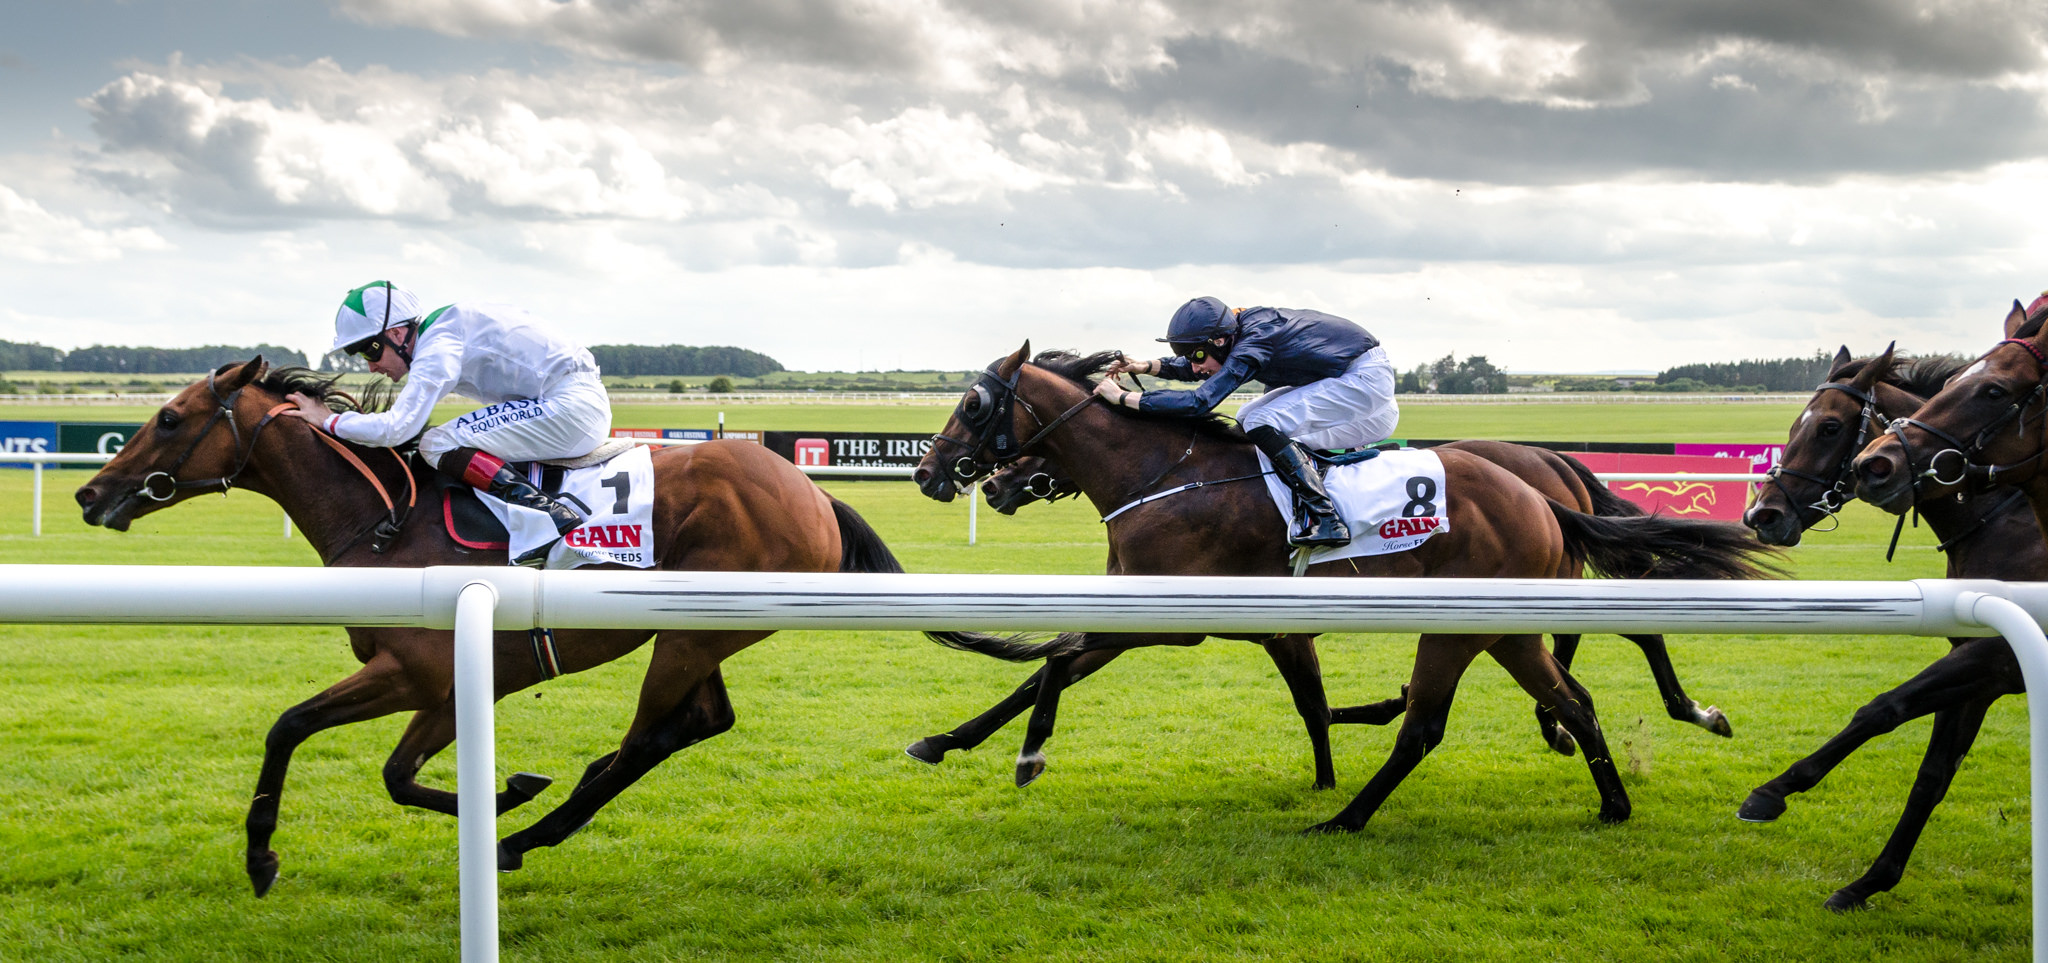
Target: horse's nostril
{"x":921,"y":475}
{"x":1877,"y":468}
{"x":86,"y":497}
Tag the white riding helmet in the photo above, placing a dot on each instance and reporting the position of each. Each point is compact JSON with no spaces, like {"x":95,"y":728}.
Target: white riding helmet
{"x":370,"y":309}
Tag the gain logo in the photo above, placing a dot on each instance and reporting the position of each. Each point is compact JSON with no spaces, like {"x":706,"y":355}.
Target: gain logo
{"x":604,"y":536}
{"x":1404,"y":527}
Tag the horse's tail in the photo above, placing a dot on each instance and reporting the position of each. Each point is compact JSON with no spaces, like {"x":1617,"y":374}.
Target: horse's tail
{"x":860,"y":547}
{"x":861,"y":550}
{"x":1661,"y":546}
{"x":1606,"y":503}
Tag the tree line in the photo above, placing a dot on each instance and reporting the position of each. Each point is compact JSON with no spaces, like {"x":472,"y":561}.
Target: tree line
{"x":120,"y":359}
{"x":1781,"y":374}
{"x":636,"y":360}
{"x":1449,"y":376}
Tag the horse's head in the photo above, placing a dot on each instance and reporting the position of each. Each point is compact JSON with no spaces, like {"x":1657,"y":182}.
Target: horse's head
{"x":1026,"y":480}
{"x":1812,"y":480}
{"x":198,"y":442}
{"x":1982,"y":429}
{"x":980,"y":434}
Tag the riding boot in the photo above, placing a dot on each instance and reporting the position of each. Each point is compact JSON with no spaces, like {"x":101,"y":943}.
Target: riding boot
{"x":1321,"y":525}
{"x":487,"y":472}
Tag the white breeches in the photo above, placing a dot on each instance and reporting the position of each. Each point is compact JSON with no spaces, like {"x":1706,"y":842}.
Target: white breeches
{"x":1351,"y":410}
{"x":569,"y":422}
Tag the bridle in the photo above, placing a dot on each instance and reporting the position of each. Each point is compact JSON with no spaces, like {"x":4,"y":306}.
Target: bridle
{"x":223,"y":410}
{"x":386,"y":529}
{"x":1840,"y":489}
{"x":996,"y":401}
{"x":1966,"y":468}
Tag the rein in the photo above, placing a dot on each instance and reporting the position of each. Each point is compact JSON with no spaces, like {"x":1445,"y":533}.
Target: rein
{"x":1966,"y":469}
{"x":223,"y":410}
{"x":997,"y":398}
{"x":1841,"y":489}
{"x":388,"y":528}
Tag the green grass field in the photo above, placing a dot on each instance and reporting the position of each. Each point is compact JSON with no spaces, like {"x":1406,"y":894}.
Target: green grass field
{"x":1166,"y":828}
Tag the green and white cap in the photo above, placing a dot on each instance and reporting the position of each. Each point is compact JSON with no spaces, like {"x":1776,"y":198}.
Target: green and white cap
{"x":369,"y":309}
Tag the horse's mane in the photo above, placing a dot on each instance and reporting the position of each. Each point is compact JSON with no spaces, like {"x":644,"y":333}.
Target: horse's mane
{"x":1084,"y":370}
{"x":1922,"y":376}
{"x":326,"y":389}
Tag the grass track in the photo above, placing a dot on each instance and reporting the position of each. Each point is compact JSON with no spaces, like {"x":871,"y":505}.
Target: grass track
{"x":1165,"y":828}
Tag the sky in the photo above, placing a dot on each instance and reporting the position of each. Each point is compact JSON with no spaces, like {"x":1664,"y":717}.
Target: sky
{"x":1560,"y":185}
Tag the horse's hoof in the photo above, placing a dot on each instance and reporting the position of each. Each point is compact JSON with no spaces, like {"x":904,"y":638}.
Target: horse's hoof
{"x":527,"y":784}
{"x":508,"y":860}
{"x":1618,"y":813}
{"x":1716,"y":722}
{"x":263,"y":871}
{"x":1845,"y":902}
{"x":1761,"y":807}
{"x":1322,"y":784}
{"x":1029,"y":768}
{"x":1563,"y":744}
{"x":925,"y":751}
{"x":1328,"y":827}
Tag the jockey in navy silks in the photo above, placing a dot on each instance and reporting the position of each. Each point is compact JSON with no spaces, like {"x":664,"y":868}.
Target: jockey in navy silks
{"x":1329,"y":385}
{"x":542,"y":397}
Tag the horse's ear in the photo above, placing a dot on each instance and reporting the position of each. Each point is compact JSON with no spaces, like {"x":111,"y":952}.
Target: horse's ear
{"x":1015,"y":361}
{"x":1878,"y":366}
{"x":2015,"y":319}
{"x":234,"y":376}
{"x":1841,"y":358}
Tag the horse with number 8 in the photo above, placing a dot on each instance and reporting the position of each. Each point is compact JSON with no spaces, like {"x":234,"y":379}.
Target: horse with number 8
{"x":1499,"y":527}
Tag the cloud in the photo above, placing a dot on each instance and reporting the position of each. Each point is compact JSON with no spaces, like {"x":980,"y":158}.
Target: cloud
{"x":30,"y":233}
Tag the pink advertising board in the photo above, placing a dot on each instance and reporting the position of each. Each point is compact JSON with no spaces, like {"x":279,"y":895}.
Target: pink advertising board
{"x":1722,"y":501}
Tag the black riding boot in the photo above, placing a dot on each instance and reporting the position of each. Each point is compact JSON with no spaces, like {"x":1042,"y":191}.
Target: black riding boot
{"x":487,"y":472}
{"x":1319,"y":524}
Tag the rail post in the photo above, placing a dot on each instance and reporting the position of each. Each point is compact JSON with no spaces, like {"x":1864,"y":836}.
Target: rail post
{"x":476,"y":771}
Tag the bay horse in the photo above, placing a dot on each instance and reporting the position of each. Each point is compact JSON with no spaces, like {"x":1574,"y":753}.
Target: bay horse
{"x":1498,"y":527}
{"x":719,"y":506}
{"x":1985,"y":534}
{"x":1558,"y":477}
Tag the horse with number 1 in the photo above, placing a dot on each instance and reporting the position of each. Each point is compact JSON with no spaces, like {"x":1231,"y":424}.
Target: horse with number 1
{"x":1186,"y":497}
{"x":718,"y":506}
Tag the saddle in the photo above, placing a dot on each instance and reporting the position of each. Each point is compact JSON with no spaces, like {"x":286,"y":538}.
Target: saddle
{"x":472,"y":525}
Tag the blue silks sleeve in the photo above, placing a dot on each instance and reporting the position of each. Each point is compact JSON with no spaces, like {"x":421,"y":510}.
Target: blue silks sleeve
{"x":1236,"y":372}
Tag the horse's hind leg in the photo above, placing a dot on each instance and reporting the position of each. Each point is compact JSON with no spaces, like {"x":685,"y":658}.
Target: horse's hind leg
{"x":1974,"y":669}
{"x":1546,"y":681}
{"x":430,"y":731}
{"x":1679,"y":705}
{"x":1052,"y":681}
{"x":1440,"y":661}
{"x":975,"y":731}
{"x":682,"y":703}
{"x":1566,"y":647}
{"x":1955,"y":730}
{"x":377,"y":689}
{"x":1295,"y":657}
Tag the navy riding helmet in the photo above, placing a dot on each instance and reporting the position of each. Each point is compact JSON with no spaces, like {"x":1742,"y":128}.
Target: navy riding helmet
{"x":1197,"y":322}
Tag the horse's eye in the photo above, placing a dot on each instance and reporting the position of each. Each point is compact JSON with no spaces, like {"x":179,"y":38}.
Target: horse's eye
{"x":972,"y":404}
{"x":167,"y":419}
{"x":1830,"y":428}
{"x":1994,"y":392}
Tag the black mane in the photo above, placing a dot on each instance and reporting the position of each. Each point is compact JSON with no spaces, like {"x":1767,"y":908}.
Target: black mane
{"x":1085,"y":370}
{"x":326,"y":388}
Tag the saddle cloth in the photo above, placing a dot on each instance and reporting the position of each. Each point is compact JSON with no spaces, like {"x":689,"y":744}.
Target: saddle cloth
{"x":616,"y":497}
{"x":1393,"y":502}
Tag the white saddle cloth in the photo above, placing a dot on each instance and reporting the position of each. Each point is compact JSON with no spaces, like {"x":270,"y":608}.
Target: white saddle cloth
{"x":1393,"y":503}
{"x":617,"y":500}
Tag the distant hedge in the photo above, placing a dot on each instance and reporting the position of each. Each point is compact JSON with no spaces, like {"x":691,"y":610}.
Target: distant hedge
{"x":635,"y":360}
{"x":116,"y":359}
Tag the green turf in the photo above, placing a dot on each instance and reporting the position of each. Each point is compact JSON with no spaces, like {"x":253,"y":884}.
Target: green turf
{"x":1164,"y":830}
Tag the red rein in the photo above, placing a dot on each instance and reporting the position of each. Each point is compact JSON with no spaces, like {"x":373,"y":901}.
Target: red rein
{"x":2039,"y":358}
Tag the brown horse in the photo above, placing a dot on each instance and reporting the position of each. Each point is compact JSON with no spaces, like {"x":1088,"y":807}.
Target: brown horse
{"x":1498,"y":527}
{"x":1987,"y":534}
{"x":719,"y":506}
{"x":1559,"y":478}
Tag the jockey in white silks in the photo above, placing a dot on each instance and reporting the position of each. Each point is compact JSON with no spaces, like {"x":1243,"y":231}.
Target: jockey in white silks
{"x":1329,"y":385}
{"x":542,"y":397}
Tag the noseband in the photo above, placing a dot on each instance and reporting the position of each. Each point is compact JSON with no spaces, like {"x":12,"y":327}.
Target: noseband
{"x":1966,"y":468}
{"x":1839,"y":490}
{"x":997,"y":401}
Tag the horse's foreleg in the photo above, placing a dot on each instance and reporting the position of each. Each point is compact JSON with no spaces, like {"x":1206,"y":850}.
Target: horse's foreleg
{"x":1051,"y":682}
{"x":1295,"y":657}
{"x":1974,"y":669}
{"x":1676,"y":703}
{"x":1440,"y":661}
{"x":377,"y":689}
{"x":430,"y":731}
{"x":975,"y":731}
{"x":682,"y":703}
{"x":1551,"y":686}
{"x":1955,"y":730}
